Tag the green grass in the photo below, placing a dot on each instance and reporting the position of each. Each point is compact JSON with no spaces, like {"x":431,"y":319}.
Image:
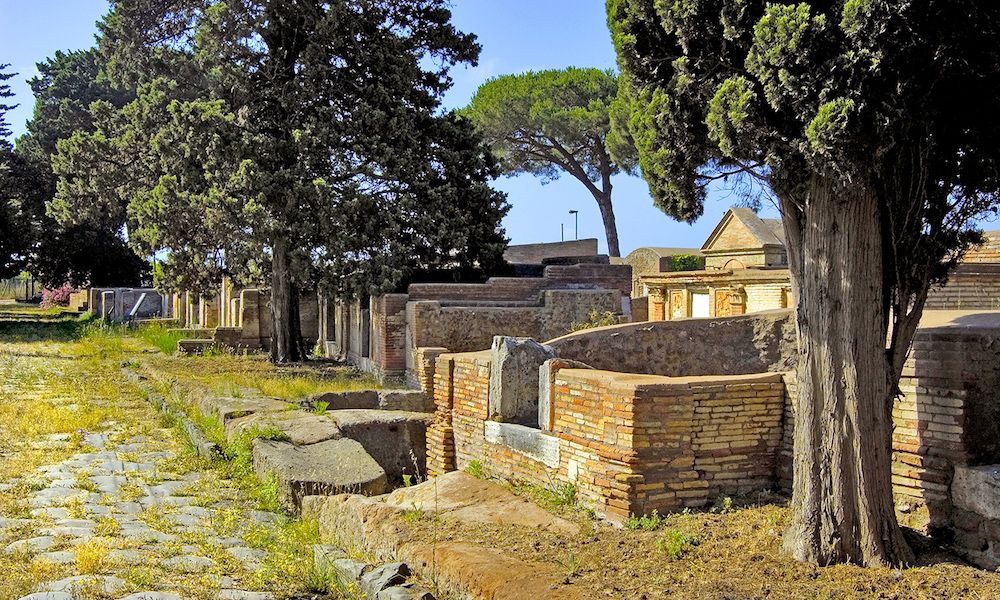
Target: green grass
{"x":161,"y":337}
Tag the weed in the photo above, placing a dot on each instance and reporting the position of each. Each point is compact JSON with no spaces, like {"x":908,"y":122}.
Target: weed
{"x":723,"y":506}
{"x":596,"y":319}
{"x":675,"y":543}
{"x":91,"y":557}
{"x":319,"y":407}
{"x":650,"y":522}
{"x":161,"y":337}
{"x":475,"y":468}
{"x":571,"y":564}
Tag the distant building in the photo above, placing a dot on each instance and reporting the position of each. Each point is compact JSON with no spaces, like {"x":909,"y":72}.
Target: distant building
{"x":651,"y":261}
{"x":745,"y":271}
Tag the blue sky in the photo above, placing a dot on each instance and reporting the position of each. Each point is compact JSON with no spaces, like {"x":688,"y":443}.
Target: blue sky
{"x":517,"y":35}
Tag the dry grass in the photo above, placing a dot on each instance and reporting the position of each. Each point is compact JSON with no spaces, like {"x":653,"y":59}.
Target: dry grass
{"x":733,"y":555}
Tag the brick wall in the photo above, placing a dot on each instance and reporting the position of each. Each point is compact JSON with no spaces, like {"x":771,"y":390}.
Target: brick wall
{"x":388,"y":351}
{"x":629,"y":443}
{"x":971,"y":287}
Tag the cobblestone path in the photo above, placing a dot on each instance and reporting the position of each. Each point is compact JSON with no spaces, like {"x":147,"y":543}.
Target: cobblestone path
{"x":100,"y":498}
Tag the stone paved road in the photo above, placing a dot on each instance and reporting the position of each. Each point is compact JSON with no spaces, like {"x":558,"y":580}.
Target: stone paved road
{"x":98,"y":499}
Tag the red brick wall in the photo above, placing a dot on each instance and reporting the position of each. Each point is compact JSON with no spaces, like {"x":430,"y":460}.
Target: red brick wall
{"x":388,"y":342}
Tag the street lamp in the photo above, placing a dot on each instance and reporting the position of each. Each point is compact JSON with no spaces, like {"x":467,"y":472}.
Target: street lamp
{"x":576,"y":226}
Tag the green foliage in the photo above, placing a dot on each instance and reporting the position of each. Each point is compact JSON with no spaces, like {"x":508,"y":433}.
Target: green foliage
{"x":320,"y":407}
{"x":686,"y":262}
{"x":90,"y":250}
{"x":273,"y":143}
{"x":650,"y":522}
{"x":596,"y":319}
{"x":549,"y":122}
{"x":475,"y":468}
{"x":675,"y":544}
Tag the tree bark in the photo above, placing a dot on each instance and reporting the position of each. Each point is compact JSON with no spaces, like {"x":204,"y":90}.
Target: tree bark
{"x":843,"y":509}
{"x":608,"y":216}
{"x":286,"y":332}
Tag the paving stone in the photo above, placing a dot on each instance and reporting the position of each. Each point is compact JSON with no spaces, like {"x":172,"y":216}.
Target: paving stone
{"x":187,"y":564}
{"x":108,"y":584}
{"x":63,"y":557}
{"x":250,"y":557}
{"x":153,"y":596}
{"x":243,"y":595}
{"x":48,"y":596}
{"x":35,"y":544}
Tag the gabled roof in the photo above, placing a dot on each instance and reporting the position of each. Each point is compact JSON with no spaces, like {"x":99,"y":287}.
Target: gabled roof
{"x":763,"y":233}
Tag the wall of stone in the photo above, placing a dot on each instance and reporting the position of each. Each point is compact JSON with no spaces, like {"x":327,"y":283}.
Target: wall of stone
{"x":468,"y":329}
{"x":761,"y":342}
{"x":766,"y":297}
{"x":972,"y":286}
{"x":534,"y":254}
{"x":629,"y":443}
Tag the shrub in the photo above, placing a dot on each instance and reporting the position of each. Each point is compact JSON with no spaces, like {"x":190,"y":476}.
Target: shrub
{"x":52,"y":298}
{"x":675,"y":544}
{"x":685,"y":262}
{"x":596,"y":319}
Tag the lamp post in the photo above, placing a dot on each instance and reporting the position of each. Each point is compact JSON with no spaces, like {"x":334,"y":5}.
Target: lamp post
{"x":576,"y":225}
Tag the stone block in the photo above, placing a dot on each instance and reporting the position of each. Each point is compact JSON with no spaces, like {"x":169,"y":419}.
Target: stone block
{"x":397,"y":440}
{"x":528,"y":441}
{"x":302,"y":428}
{"x":977,"y":489}
{"x":324,"y":469}
{"x":513,"y":391}
{"x":383,"y":577}
{"x":410,"y":400}
{"x":323,"y":557}
{"x":407,"y":591}
{"x":347,"y":400}
{"x":547,"y":386}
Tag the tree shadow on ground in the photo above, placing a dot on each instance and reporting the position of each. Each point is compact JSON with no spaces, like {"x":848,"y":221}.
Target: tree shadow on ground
{"x":20,"y":331}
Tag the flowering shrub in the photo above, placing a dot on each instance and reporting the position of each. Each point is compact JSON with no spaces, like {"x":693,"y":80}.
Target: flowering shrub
{"x":59,"y":296}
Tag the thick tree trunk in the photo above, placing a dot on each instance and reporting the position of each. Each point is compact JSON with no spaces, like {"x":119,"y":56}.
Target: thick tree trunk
{"x":608,"y":216}
{"x":843,"y":508}
{"x":286,"y":334}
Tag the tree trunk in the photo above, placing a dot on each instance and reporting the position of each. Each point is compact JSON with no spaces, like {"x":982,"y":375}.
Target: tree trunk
{"x":608,"y":216}
{"x":843,"y":509}
{"x":286,"y":334}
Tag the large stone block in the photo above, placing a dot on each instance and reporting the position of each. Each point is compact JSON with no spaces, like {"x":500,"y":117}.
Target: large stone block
{"x":301,"y":427}
{"x":324,"y":469}
{"x":513,"y":396}
{"x":397,"y":440}
{"x":977,"y":489}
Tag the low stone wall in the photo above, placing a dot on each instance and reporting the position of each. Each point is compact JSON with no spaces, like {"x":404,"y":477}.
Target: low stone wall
{"x":761,"y":342}
{"x":467,"y":329}
{"x":535,"y":253}
{"x":976,"y":493}
{"x":973,"y":286}
{"x":629,"y":443}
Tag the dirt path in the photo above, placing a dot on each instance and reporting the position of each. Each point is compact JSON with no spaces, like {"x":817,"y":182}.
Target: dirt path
{"x":100,"y":498}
